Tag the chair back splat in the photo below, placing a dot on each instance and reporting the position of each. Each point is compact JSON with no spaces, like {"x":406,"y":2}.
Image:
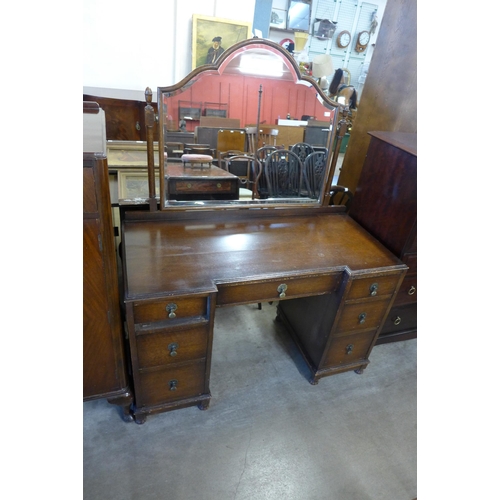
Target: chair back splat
{"x":314,"y":172}
{"x":283,"y":172}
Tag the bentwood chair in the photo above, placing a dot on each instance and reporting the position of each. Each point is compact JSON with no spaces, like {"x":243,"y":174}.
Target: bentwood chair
{"x":314,"y":172}
{"x":283,"y":172}
{"x":248,"y":169}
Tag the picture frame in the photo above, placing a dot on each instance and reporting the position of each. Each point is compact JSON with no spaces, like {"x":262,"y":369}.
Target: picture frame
{"x":134,"y":185}
{"x":206,"y":28}
{"x":278,"y":19}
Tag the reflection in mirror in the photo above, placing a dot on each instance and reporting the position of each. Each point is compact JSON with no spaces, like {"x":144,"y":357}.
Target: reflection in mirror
{"x":299,"y":13}
{"x":254,"y":85}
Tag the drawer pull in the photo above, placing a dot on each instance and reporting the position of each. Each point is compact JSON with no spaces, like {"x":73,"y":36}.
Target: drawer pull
{"x":171,"y":308}
{"x":349,"y":349}
{"x":219,"y":185}
{"x":373,"y":289}
{"x":281,"y":290}
{"x":189,"y":185}
{"x":397,"y":320}
{"x":362,"y":318}
{"x":412,"y":290}
{"x":173,"y":385}
{"x":173,"y":348}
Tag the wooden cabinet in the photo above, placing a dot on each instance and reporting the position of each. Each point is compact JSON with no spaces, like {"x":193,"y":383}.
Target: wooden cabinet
{"x":385,"y":203}
{"x":104,"y":362}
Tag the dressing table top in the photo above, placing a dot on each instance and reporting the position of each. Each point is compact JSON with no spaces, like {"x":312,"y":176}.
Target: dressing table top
{"x":196,"y":252}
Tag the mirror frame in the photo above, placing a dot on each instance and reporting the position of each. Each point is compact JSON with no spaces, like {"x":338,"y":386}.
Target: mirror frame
{"x":337,"y":129}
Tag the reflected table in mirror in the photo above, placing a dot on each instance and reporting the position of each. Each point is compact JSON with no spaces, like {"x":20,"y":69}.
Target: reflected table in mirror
{"x":195,"y":183}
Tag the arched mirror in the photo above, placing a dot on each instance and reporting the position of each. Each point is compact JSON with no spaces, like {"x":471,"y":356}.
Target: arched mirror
{"x":255,"y":85}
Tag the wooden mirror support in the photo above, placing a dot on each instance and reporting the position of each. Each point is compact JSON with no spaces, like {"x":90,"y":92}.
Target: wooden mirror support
{"x":227,"y":80}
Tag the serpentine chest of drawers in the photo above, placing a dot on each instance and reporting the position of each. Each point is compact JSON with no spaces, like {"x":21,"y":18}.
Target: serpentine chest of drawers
{"x":334,"y":284}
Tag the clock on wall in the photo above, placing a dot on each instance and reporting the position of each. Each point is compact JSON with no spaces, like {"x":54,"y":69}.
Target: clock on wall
{"x":362,"y":42}
{"x":343,"y":39}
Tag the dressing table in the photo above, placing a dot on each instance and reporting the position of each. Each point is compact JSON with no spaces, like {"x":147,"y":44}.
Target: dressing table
{"x":333,"y":282}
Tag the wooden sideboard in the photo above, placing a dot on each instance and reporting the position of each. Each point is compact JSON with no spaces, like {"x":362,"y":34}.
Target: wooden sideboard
{"x":334,"y":290}
{"x":385,"y":203}
{"x":105,"y":373}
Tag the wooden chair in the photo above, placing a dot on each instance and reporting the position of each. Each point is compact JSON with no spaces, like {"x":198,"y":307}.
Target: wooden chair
{"x":340,"y":195}
{"x":302,"y":149}
{"x":283,"y":172}
{"x":222,"y":157}
{"x":265,"y":137}
{"x":248,"y":169}
{"x":314,"y":172}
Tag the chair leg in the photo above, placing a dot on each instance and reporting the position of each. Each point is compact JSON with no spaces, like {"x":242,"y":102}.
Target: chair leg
{"x":259,"y":305}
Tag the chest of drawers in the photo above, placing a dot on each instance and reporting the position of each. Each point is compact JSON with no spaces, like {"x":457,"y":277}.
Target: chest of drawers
{"x":170,"y":344}
{"x":385,"y":203}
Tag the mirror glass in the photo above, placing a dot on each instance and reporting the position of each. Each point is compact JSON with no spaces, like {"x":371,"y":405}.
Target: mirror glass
{"x":298,"y":15}
{"x":255,"y":81}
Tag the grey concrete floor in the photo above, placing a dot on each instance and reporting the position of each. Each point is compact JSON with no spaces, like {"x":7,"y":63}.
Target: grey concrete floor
{"x":268,"y":434}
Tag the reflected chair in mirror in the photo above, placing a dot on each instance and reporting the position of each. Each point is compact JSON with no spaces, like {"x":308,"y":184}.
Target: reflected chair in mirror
{"x":265,"y":137}
{"x":302,"y":149}
{"x":340,"y":195}
{"x":283,"y":172}
{"x":223,"y":156}
{"x":249,"y":170}
{"x":314,"y":172}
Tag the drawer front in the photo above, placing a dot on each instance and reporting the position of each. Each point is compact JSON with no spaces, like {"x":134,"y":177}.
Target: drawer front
{"x":181,"y":307}
{"x":349,"y":349}
{"x":166,"y":348}
{"x":366,"y":315}
{"x":400,"y":318}
{"x":407,"y":293}
{"x":278,"y":289}
{"x":372,"y":287}
{"x":206,"y":186}
{"x":172,"y":384}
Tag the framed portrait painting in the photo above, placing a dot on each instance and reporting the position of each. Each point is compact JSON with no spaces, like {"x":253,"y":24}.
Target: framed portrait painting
{"x":213,"y":35}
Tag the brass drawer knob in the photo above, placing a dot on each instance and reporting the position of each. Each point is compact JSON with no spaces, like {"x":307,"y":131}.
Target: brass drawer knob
{"x":397,"y":320}
{"x":173,"y":348}
{"x":349,"y":349}
{"x":362,"y":318}
{"x":219,"y":185}
{"x":173,"y":385}
{"x":412,"y":290}
{"x":171,"y":308}
{"x":281,"y":290}
{"x":374,"y":289}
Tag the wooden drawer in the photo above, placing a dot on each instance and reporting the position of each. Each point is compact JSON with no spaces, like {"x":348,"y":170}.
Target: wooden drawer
{"x":362,"y":316}
{"x":205,"y":186}
{"x":150,"y":312}
{"x":268,"y":290}
{"x":349,"y":349}
{"x":372,"y":287}
{"x":166,"y":348}
{"x":157,"y":387}
{"x":401,"y":318}
{"x":407,"y":294}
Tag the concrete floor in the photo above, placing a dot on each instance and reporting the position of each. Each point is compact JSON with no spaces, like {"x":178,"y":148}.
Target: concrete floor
{"x":268,"y":434}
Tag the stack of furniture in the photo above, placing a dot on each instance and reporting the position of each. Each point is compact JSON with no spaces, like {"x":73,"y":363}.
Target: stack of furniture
{"x":385,"y":203}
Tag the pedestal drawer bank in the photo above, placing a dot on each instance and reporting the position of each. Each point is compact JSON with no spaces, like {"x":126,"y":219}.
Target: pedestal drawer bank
{"x":333,"y":282}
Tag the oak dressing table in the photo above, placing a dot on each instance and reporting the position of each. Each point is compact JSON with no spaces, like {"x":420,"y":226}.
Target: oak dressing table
{"x":333,"y":282}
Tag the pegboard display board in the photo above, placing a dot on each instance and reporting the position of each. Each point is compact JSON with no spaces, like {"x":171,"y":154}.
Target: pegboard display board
{"x":350,"y":15}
